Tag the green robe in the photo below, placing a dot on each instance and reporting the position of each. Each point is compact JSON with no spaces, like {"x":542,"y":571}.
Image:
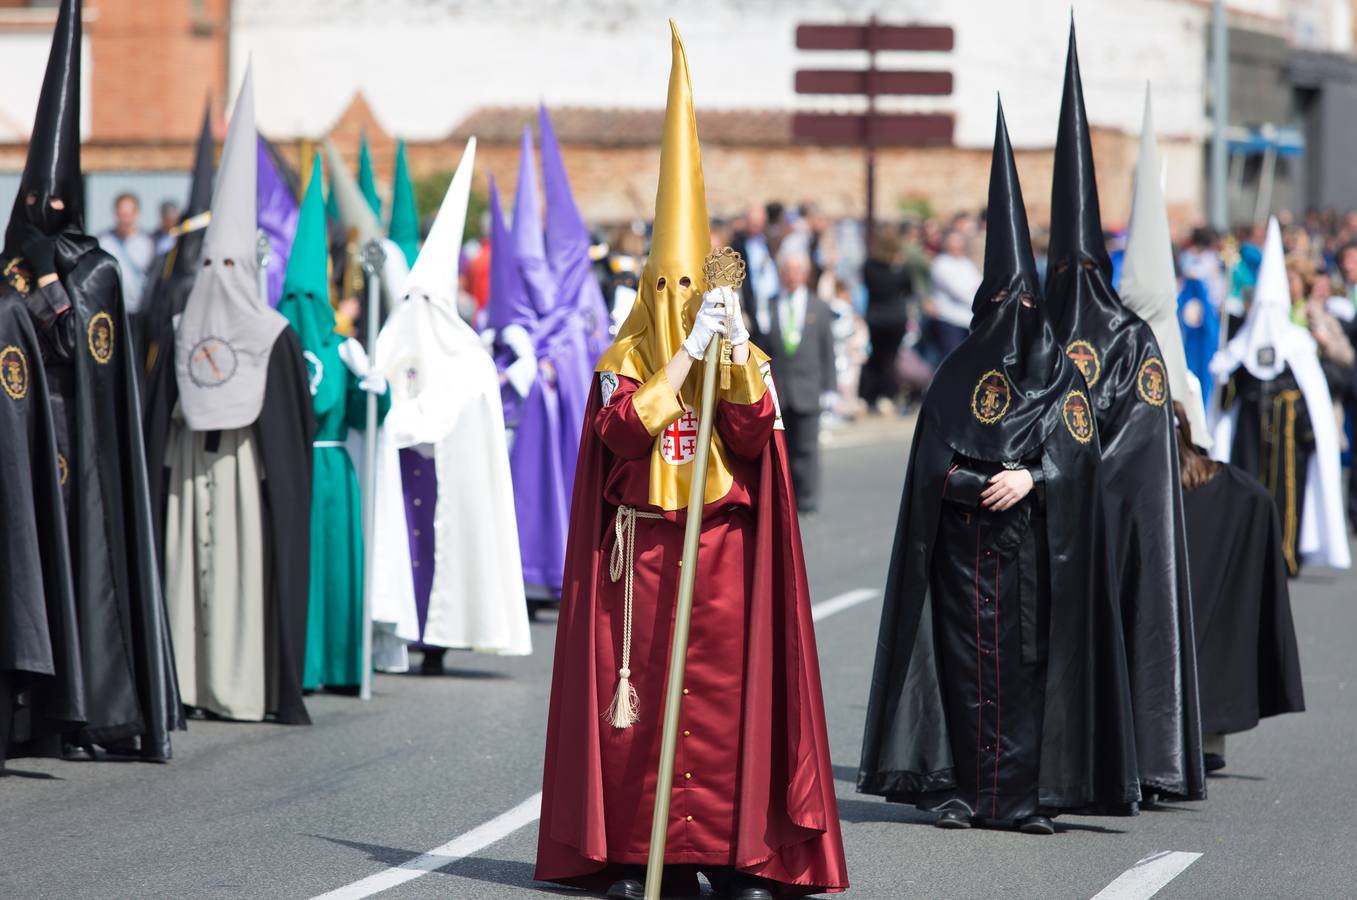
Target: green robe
{"x":334,"y":625}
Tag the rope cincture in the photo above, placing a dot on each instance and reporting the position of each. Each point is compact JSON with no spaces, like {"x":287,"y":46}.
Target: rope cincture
{"x":624,"y":711}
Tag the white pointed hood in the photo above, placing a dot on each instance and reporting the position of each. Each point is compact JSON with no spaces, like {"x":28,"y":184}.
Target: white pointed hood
{"x":226,"y":334}
{"x":1149,"y":285}
{"x":445,"y":401}
{"x":427,"y":351}
{"x":1268,"y":339}
{"x":434,"y":274}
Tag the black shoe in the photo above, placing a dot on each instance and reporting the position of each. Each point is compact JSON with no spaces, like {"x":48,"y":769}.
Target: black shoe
{"x":433,"y":662}
{"x":747,"y":887}
{"x":1036,"y":825}
{"x":953,"y":820}
{"x":1214,"y":761}
{"x":627,"y":889}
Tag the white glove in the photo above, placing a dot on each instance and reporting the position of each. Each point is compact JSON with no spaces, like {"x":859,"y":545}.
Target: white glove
{"x":523,"y":371}
{"x":356,"y":361}
{"x":488,"y":339}
{"x":711,"y":320}
{"x":729,"y":298}
{"x":355,"y":358}
{"x":374,"y":383}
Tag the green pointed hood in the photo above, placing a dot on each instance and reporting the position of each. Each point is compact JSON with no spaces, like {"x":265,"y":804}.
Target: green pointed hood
{"x":367,"y":179}
{"x":404,"y":230}
{"x":306,"y":297}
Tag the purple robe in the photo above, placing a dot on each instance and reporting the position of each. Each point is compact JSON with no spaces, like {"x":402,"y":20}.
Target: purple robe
{"x":277,"y":217}
{"x":419,"y":480}
{"x":546,"y":422}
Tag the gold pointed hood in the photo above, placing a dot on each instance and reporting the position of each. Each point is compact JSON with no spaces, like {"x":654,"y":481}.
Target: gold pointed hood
{"x":671,"y":286}
{"x":670,"y":291}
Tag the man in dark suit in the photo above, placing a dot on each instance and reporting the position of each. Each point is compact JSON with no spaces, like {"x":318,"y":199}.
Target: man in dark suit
{"x":794,"y":330}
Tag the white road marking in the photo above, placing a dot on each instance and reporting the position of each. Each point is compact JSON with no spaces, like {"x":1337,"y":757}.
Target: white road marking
{"x":827,"y":608}
{"x":1148,"y":877}
{"x":460,"y":847}
{"x":525,"y":813}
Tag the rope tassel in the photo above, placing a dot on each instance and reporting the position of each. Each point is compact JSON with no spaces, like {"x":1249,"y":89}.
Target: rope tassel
{"x":625,"y":710}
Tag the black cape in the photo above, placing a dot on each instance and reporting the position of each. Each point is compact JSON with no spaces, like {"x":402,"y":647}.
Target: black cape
{"x":40,"y":660}
{"x":1087,"y":754}
{"x":284,"y":432}
{"x":132,"y":698}
{"x":1120,"y":359}
{"x":1143,"y":505}
{"x":1247,"y":660}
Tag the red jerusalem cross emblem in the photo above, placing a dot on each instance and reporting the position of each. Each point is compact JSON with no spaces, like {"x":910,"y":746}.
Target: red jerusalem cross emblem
{"x":678,"y":442}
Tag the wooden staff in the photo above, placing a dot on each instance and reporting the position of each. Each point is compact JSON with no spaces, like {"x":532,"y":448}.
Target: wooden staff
{"x":723,"y":268}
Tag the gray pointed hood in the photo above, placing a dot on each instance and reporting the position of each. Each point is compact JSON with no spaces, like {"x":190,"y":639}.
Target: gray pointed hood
{"x":227,"y":331}
{"x":1149,"y":285}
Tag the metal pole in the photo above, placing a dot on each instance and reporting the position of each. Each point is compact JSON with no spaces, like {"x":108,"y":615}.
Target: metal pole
{"x":373,"y":258}
{"x":869,"y":129}
{"x":678,"y":654}
{"x":1266,"y":179}
{"x":263,"y":255}
{"x":1220,"y":108}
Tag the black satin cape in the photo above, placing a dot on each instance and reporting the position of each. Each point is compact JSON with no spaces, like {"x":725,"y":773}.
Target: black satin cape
{"x":284,"y":432}
{"x":130,"y":686}
{"x":1087,"y":756}
{"x":1247,"y":659}
{"x":40,"y":658}
{"x":1125,"y":372}
{"x":1039,"y":414}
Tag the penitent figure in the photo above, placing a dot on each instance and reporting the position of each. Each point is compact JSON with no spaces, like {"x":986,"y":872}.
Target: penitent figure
{"x":753,"y":823}
{"x":1000,"y":693}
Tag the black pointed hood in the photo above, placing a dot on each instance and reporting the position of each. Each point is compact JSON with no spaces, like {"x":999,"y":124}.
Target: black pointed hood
{"x":1083,"y":307}
{"x":200,"y":188}
{"x":999,"y":394}
{"x":1009,"y":263}
{"x":193,"y":221}
{"x":53,"y":166}
{"x":1076,"y":221}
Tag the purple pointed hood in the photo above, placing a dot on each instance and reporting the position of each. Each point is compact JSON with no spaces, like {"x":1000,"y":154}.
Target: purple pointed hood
{"x":529,"y":242}
{"x":568,"y":242}
{"x":567,"y":235}
{"x":510,"y":302}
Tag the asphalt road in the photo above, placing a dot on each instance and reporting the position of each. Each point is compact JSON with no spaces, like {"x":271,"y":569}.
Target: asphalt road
{"x":267,"y":811}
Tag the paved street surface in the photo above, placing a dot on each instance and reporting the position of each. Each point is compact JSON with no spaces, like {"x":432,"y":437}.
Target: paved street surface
{"x":267,"y":811}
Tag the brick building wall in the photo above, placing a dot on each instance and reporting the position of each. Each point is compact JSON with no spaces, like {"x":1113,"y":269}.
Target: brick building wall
{"x":155,"y":63}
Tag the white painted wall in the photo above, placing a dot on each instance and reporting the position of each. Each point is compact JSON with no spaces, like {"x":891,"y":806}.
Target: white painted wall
{"x":25,"y":55}
{"x":425,"y":64}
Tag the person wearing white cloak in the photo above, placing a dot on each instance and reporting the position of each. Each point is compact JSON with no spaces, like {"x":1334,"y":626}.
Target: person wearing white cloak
{"x":447,"y":423}
{"x":1278,"y":424}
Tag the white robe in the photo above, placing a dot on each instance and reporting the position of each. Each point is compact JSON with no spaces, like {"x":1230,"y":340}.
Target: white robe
{"x":1323,"y":525}
{"x":445,"y":394}
{"x":214,"y":571}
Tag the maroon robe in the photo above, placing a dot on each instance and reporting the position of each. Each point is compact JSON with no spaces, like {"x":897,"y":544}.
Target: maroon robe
{"x":753,"y":786}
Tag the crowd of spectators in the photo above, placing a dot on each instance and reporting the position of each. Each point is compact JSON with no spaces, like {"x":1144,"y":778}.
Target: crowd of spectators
{"x":901,"y":299}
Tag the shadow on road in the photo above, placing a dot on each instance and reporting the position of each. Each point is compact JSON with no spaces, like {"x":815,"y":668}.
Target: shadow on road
{"x":847,"y":774}
{"x":881,"y":811}
{"x":20,"y":773}
{"x":511,"y":873}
